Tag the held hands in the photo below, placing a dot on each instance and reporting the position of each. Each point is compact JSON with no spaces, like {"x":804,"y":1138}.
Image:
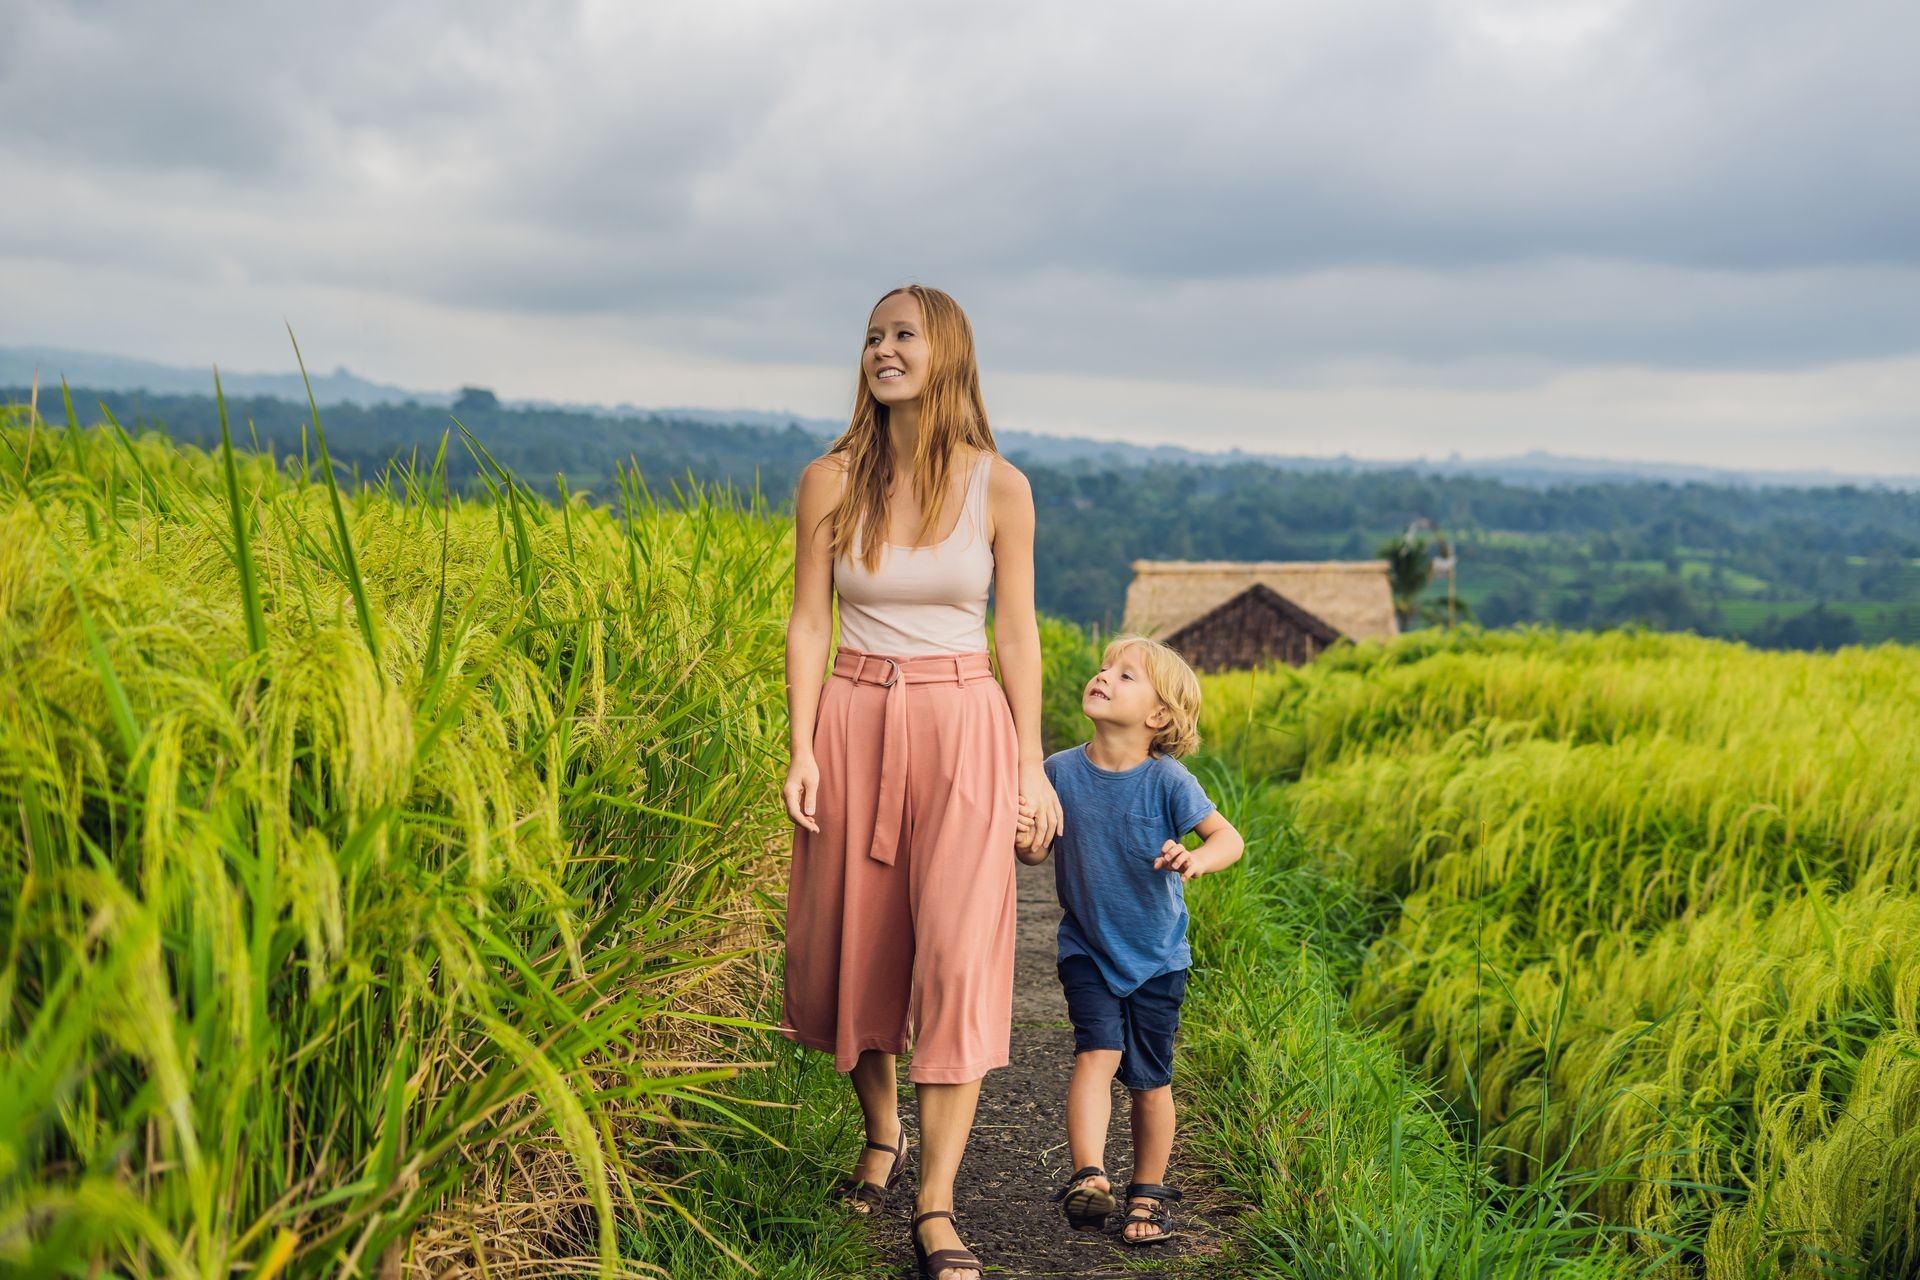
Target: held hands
{"x":1024,"y":846}
{"x":1037,"y":795}
{"x":1175,"y":856}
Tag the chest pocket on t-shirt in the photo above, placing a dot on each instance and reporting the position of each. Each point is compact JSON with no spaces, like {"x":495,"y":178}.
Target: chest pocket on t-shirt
{"x":1146,"y":828}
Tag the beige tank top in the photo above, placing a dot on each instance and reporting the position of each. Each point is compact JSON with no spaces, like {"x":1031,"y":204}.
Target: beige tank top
{"x":923,"y":600}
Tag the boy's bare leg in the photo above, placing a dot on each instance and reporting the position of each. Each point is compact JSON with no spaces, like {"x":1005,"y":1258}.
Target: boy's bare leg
{"x":1090,"y":1109}
{"x":946,"y":1121}
{"x":1152,"y":1145}
{"x":873,"y":1082}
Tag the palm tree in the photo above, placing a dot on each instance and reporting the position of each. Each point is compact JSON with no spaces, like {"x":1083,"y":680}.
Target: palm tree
{"x":1409,"y":569}
{"x":1413,"y":563}
{"x":1443,"y":565}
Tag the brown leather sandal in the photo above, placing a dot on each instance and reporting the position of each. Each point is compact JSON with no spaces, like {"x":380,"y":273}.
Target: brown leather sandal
{"x":1087,"y":1208}
{"x":873,"y":1195}
{"x":930,"y":1265}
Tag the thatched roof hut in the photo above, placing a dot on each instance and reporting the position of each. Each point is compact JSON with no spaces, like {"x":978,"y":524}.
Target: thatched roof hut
{"x":1220,"y":620}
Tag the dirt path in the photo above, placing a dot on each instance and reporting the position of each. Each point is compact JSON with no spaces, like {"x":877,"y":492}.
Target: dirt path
{"x":1018,"y":1155}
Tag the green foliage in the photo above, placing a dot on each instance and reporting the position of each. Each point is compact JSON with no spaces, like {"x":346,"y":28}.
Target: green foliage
{"x":1069,"y":657}
{"x":1349,"y":1166}
{"x":1657,"y":913}
{"x":367,"y":838}
{"x":472,"y":400}
{"x":589,"y":449}
{"x":757,"y":1186}
{"x":1720,"y":560}
{"x":1409,"y":569}
{"x":310,"y":951}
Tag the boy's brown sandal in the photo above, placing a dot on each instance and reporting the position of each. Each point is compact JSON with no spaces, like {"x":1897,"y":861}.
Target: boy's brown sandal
{"x":1156,"y":1213}
{"x":1087,"y":1208}
{"x":859,"y":1191}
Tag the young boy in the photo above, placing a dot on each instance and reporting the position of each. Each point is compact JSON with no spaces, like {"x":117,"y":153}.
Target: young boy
{"x":1126,"y":801}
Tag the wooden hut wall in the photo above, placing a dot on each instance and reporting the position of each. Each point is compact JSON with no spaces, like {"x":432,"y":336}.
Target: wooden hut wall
{"x":1245,"y":633}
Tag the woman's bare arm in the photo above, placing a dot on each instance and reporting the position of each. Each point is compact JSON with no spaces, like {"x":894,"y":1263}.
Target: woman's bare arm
{"x":809,"y":628}
{"x":1016,"y":636}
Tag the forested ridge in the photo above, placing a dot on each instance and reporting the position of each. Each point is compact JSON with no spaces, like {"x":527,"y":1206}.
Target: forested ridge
{"x":1783,"y":567}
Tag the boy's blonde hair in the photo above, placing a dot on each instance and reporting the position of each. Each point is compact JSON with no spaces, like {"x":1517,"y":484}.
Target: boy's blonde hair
{"x":1176,"y":686}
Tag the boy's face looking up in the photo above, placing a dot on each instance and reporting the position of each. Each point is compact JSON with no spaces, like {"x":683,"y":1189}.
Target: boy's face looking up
{"x":1121,"y":695}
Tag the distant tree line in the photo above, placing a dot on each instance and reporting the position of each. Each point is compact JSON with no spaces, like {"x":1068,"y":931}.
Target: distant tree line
{"x":535,"y":444}
{"x":1787,"y":567}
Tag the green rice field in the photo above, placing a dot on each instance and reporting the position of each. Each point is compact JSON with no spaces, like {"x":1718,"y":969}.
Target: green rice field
{"x":1648,"y":906}
{"x":389,"y":875}
{"x":379,"y":876}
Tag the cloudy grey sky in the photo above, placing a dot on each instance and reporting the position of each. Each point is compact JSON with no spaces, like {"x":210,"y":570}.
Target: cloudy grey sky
{"x":1664,"y":229}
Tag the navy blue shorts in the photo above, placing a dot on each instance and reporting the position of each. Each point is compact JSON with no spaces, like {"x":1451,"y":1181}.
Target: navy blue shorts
{"x":1140,"y":1026}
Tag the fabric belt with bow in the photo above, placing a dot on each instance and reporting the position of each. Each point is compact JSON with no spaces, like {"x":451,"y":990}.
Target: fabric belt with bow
{"x":894,"y":675}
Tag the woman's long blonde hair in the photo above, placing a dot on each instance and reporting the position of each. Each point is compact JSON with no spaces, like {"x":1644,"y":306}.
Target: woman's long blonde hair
{"x":951,"y":413}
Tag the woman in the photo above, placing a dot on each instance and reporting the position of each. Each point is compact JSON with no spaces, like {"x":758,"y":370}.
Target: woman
{"x":909,"y":765}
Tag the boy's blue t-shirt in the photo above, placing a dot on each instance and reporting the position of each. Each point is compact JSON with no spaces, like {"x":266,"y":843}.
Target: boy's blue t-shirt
{"x":1129,"y":919}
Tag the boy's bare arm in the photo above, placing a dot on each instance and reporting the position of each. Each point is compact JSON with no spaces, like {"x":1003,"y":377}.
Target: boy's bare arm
{"x":1220,"y":847}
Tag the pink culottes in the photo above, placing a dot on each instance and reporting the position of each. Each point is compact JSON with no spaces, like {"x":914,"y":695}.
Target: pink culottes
{"x":900,"y":912}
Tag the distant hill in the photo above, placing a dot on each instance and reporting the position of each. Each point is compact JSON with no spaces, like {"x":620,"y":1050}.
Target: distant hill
{"x":1535,"y":469}
{"x":1808,"y":567}
{"x":19,"y":365}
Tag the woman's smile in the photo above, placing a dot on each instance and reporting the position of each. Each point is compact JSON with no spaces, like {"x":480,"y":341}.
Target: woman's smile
{"x":897,"y":356}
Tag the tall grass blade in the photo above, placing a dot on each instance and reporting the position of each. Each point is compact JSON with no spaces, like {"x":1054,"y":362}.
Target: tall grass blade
{"x":242,"y":538}
{"x":349,"y":560}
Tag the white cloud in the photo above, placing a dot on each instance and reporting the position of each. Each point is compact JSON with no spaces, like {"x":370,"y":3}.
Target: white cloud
{"x":1460,"y":198}
{"x":1758,"y":420}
